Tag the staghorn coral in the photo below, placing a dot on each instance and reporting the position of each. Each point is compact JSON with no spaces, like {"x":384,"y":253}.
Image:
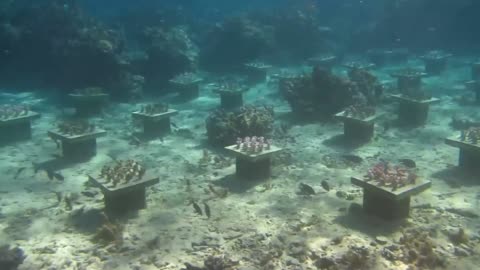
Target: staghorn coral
{"x":224,"y":127}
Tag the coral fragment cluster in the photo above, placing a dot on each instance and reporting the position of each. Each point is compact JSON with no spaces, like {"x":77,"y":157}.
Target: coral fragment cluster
{"x":186,"y":78}
{"x":389,"y":175}
{"x":156,"y":108}
{"x":359,"y":111}
{"x":8,"y":112}
{"x":253,"y":145}
{"x":122,"y":172}
{"x":75,"y":127}
{"x":470,"y":135}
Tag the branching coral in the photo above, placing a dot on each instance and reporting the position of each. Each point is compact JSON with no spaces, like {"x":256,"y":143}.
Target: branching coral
{"x":122,"y":172}
{"x":394,"y":176}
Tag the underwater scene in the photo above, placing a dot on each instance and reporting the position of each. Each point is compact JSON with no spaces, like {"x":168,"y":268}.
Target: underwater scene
{"x":239,"y":135}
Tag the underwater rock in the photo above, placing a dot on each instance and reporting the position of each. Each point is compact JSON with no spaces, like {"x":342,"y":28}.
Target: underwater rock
{"x":11,"y":258}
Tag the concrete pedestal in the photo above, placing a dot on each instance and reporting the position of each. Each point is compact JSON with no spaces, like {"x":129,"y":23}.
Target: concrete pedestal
{"x":155,"y":125}
{"x":358,"y":130}
{"x":413,"y":112}
{"x":17,"y":129}
{"x":253,"y":167}
{"x":469,"y":154}
{"x":78,"y":148}
{"x":256,"y":73}
{"x":435,"y":66}
{"x":387,"y":204}
{"x":124,"y":198}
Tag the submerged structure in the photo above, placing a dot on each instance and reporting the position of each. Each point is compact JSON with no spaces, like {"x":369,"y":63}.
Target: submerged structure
{"x":235,"y":135}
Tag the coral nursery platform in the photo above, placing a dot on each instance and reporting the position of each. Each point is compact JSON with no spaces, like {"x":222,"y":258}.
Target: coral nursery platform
{"x":253,"y":166}
{"x":155,"y":124}
{"x":469,"y":155}
{"x":17,"y":128}
{"x":386,"y":203}
{"x":125,"y":197}
{"x":78,"y":147}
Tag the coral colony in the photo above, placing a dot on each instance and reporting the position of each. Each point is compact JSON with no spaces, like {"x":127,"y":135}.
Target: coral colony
{"x":122,"y":172}
{"x":8,"y":112}
{"x":359,"y":111}
{"x":470,"y":135}
{"x":388,"y":175}
{"x":74,"y":128}
{"x":153,"y":109}
{"x":186,"y":78}
{"x":253,"y":145}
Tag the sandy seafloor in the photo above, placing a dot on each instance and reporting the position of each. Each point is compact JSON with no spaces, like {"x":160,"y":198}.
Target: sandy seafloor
{"x":256,"y":223}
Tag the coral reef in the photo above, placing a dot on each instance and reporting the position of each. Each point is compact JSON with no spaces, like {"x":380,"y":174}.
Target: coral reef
{"x":122,"y":172}
{"x":75,"y":127}
{"x":367,"y":84}
{"x":470,"y":135}
{"x":11,"y":258}
{"x":13,"y":111}
{"x":253,"y":145}
{"x":152,"y":109}
{"x":170,"y":51}
{"x":320,"y":94}
{"x":224,"y":127}
{"x":236,"y":41}
{"x":389,"y":175}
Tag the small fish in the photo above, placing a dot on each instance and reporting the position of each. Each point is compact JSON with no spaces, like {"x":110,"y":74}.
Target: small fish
{"x":207,"y":209}
{"x":325,"y":185}
{"x":305,"y":190}
{"x":19,"y":171}
{"x":409,"y":163}
{"x":57,"y":156}
{"x":174,"y":125}
{"x":59,"y":195}
{"x":54,"y":175}
{"x":197,"y":208}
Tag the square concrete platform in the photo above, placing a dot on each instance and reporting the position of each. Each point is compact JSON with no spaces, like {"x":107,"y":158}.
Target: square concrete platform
{"x":78,"y":148}
{"x":412,"y":112}
{"x":124,"y":197}
{"x":469,"y":154}
{"x":355,"y":129}
{"x":381,"y":201}
{"x":253,"y":166}
{"x":17,"y":128}
{"x":155,"y":125}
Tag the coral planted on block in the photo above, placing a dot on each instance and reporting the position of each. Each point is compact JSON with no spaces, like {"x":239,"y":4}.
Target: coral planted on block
{"x":470,"y":135}
{"x":75,"y":127}
{"x":223,"y":127}
{"x":122,"y":172}
{"x":8,"y":112}
{"x":253,"y":145}
{"x":389,"y":175}
{"x":359,"y":111}
{"x":156,"y":108}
